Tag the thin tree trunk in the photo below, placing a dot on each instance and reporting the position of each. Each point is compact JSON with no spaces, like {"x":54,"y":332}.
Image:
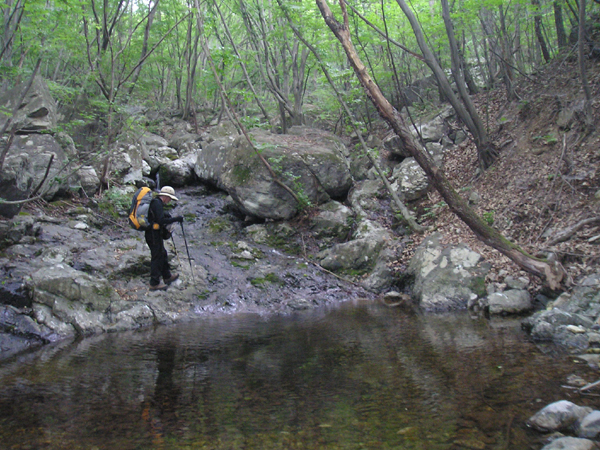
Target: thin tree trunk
{"x":144,"y":52}
{"x":561,"y":34}
{"x":537,"y":20}
{"x":242,"y":64}
{"x":553,"y":274}
{"x":587,"y":109}
{"x":486,"y":152}
{"x":506,"y":59}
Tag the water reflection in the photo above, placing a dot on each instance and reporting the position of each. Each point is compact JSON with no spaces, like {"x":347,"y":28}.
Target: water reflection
{"x":355,"y":376}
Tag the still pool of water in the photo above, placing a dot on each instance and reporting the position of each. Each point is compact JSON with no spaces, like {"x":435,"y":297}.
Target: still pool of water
{"x":354,"y":376}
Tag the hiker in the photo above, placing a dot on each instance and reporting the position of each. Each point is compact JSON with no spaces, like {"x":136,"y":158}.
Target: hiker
{"x":155,"y":234}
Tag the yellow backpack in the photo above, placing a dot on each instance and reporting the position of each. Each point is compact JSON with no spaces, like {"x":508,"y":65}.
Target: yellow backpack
{"x":140,"y":208}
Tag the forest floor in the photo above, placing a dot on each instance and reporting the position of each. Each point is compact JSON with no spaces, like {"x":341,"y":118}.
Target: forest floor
{"x":545,"y":181}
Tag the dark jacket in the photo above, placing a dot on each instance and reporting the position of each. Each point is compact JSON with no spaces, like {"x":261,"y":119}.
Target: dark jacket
{"x":158,"y":215}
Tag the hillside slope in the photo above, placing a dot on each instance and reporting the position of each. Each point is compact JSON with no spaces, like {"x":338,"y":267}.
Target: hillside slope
{"x":546,"y":179}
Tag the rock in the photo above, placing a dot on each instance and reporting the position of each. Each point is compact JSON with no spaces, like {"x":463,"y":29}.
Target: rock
{"x":446,"y":278}
{"x":126,"y":163}
{"x":356,"y":255}
{"x":153,"y":140}
{"x":74,"y":297}
{"x":570,"y":443}
{"x":589,"y":427}
{"x":43,"y":314}
{"x":578,"y":310}
{"x":382,"y":275}
{"x":430,"y":131}
{"x":516,"y":283}
{"x":11,"y":318}
{"x":460,"y":137}
{"x":12,"y":231}
{"x":576,"y":381}
{"x":87,"y":178}
{"x":299,"y":304}
{"x":552,"y":326}
{"x":558,"y":416}
{"x":183,"y":141}
{"x":394,"y":145}
{"x":590,"y":281}
{"x":37,"y":111}
{"x":362,"y":197}
{"x":24,"y":169}
{"x":394,"y":298}
{"x":179,"y":172}
{"x":310,"y":162}
{"x":409,"y":180}
{"x":333,"y":220}
{"x":258,"y":232}
{"x":133,"y":316}
{"x":513,"y":301}
{"x":367,"y":254}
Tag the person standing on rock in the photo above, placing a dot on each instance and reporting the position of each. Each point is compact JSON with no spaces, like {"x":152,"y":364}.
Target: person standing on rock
{"x":155,"y":234}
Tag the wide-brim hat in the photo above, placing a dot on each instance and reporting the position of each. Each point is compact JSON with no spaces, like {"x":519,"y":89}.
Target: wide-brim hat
{"x":168,"y":191}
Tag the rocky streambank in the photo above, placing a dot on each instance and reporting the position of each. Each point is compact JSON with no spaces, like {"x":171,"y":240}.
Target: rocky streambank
{"x":74,"y":272}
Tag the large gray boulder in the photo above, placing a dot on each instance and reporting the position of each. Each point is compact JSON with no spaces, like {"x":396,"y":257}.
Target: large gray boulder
{"x":446,"y":277}
{"x":37,"y":111}
{"x":178,"y":172}
{"x":368,"y":255}
{"x":311,"y":164}
{"x":74,"y":297}
{"x":25,"y":167}
{"x":409,"y":180}
{"x":333,"y":220}
{"x":126,"y":162}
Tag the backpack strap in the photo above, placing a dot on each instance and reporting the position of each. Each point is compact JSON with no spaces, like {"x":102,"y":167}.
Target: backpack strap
{"x":154,"y":225}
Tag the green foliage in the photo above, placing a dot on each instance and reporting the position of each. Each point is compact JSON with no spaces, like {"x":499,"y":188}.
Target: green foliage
{"x":548,"y":139}
{"x":268,"y":278}
{"x":176,"y":61}
{"x":219,"y":224}
{"x":294,"y":181}
{"x":488,"y":216}
{"x":433,"y":211}
{"x":115,"y":202}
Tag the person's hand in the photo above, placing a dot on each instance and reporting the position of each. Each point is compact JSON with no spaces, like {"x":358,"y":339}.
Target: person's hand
{"x":179,"y":219}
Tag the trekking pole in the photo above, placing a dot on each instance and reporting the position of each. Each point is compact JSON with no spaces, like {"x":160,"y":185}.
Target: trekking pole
{"x":188,"y":251}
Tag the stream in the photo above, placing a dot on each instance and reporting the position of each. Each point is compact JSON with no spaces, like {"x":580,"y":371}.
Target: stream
{"x":352,"y":375}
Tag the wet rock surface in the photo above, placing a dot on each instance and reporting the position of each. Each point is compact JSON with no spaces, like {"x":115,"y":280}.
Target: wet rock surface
{"x":81,"y":273}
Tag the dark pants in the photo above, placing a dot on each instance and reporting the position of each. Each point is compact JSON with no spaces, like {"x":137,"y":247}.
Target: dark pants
{"x":159,"y":263}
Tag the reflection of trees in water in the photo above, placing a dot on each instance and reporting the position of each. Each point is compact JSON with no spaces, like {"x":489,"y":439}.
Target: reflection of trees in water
{"x":356,"y":374}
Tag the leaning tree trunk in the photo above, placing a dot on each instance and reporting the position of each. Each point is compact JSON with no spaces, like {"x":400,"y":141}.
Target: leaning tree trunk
{"x":553,"y":274}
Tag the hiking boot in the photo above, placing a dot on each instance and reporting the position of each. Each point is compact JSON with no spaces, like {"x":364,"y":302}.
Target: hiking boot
{"x":158,"y":287}
{"x":172,"y":278}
